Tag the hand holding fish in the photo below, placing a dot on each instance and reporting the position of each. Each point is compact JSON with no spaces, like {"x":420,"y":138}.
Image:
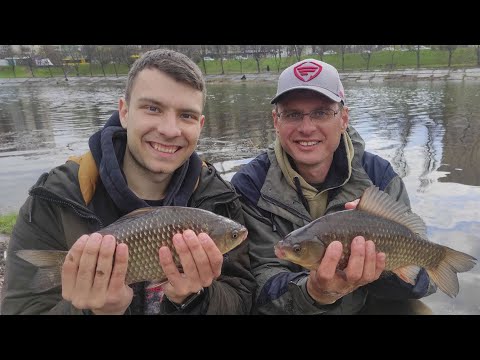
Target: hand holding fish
{"x":201,"y":261}
{"x":93,"y":275}
{"x":395,"y":230}
{"x":327,"y":284}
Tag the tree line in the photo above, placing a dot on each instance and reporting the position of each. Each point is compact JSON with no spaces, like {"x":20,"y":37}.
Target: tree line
{"x":69,"y":58}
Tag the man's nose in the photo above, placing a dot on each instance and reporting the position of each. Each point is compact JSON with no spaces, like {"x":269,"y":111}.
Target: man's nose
{"x":169,"y":125}
{"x":307,"y":123}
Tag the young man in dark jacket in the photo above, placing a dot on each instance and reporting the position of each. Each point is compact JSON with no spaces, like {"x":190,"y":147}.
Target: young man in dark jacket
{"x":144,"y":156}
{"x":316,"y":166}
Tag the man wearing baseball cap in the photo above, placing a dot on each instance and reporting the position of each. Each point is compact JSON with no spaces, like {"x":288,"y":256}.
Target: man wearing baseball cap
{"x":316,"y":166}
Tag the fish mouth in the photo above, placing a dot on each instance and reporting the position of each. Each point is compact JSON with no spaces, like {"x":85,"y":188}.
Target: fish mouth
{"x":244,"y":236}
{"x":279,"y":252}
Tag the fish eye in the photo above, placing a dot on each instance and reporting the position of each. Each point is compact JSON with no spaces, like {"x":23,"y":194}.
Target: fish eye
{"x":297,"y":248}
{"x":235,"y":234}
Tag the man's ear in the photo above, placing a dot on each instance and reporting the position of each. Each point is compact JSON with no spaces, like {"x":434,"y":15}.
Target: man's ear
{"x":275,"y":119}
{"x":123,"y":112}
{"x":345,"y":118}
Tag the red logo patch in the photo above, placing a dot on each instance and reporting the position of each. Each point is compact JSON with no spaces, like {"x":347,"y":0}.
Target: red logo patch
{"x":307,"y":71}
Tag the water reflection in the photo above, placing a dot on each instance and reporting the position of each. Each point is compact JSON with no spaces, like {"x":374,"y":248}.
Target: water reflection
{"x":428,"y":130}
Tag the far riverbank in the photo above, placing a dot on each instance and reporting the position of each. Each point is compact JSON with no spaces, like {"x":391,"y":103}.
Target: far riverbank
{"x":467,"y":74}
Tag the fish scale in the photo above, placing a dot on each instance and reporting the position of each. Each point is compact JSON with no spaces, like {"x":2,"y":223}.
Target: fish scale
{"x":145,"y":231}
{"x":402,"y":245}
{"x":395,"y":231}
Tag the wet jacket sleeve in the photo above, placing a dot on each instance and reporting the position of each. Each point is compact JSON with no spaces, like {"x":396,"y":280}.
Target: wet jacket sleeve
{"x":391,"y":286}
{"x":281,"y":284}
{"x":232,"y":293}
{"x":36,"y":228}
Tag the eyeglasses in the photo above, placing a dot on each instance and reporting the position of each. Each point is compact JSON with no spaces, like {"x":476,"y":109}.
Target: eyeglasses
{"x":318,"y":115}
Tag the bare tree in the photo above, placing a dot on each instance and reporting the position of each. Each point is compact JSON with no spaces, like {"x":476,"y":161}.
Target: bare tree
{"x":89,"y":51}
{"x":278,"y":56}
{"x":44,"y":52}
{"x":342,"y":51}
{"x":56,"y":57}
{"x":450,"y":49}
{"x":28,"y":56}
{"x":221,"y":51}
{"x":478,"y":55}
{"x":103,"y":56}
{"x":73,"y":52}
{"x":258,"y":51}
{"x":367,"y":54}
{"x":392,"y":52}
{"x":321,"y":50}
{"x":117,"y":56}
{"x":418,"y":55}
{"x":192,"y":51}
{"x":124,"y":54}
{"x":203,"y":53}
{"x":297,"y":50}
{"x":6,"y":51}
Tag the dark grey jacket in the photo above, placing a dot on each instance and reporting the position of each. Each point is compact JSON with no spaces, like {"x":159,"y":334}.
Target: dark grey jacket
{"x":272,"y":209}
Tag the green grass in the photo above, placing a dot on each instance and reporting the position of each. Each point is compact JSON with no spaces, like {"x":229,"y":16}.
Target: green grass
{"x":7,"y":222}
{"x":44,"y":72}
{"x":380,"y":60}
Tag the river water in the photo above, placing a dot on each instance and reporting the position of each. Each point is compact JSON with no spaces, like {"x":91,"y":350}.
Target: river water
{"x":429,"y":131}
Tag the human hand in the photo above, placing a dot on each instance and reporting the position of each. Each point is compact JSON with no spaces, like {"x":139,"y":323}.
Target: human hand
{"x":327,"y":284}
{"x":93,"y":275}
{"x":351,"y":205}
{"x":201,"y":262}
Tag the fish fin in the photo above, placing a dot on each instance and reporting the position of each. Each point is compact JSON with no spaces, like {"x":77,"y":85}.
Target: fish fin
{"x":408,"y":273}
{"x":379,"y":203}
{"x":46,"y":279}
{"x":49,"y":274}
{"x":445,"y":274}
{"x":127,"y":218}
{"x":43,"y":258}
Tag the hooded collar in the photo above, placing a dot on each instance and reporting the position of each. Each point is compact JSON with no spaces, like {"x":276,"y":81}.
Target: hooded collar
{"x":338,"y":175}
{"x":314,"y":197}
{"x":108,"y":148}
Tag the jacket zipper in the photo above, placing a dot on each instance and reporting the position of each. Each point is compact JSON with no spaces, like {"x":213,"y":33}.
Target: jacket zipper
{"x":233,"y":198}
{"x":77,"y":208}
{"x":283,"y":206}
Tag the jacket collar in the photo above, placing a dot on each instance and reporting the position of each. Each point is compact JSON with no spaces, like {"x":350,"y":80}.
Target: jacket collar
{"x":279,"y":197}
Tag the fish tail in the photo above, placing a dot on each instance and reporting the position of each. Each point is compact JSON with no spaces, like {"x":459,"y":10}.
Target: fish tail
{"x":46,"y":279}
{"x":49,"y":274}
{"x":445,"y":274}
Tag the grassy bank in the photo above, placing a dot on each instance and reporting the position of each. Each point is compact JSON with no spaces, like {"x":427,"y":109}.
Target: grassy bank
{"x":379,"y":60}
{"x":6,"y":223}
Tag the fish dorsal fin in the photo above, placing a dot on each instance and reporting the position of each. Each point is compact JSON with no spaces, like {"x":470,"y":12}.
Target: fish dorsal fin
{"x":379,"y":203}
{"x":139,"y":212}
{"x":133,"y":215}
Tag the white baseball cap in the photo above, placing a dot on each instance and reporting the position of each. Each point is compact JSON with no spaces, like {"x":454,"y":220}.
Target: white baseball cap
{"x":313,"y":75}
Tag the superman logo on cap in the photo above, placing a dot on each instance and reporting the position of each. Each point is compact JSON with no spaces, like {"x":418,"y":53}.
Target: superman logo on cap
{"x":307,"y":71}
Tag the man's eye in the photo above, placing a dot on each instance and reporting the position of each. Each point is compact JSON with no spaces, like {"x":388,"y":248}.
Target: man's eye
{"x":294,"y":115}
{"x":188,"y":116}
{"x":152,"y":108}
{"x":319,"y":114}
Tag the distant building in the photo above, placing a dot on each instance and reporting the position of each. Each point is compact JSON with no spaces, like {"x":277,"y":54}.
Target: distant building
{"x":43,"y":62}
